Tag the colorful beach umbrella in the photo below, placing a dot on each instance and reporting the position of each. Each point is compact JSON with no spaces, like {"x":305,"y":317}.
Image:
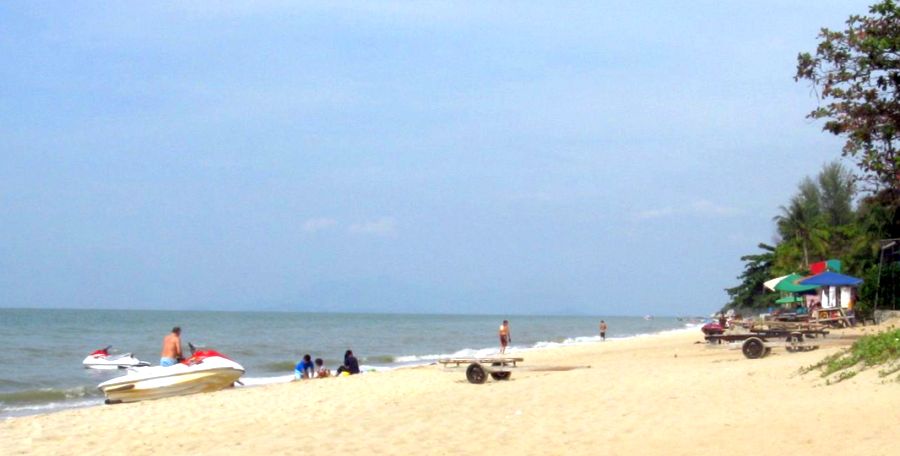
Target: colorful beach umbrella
{"x":831,"y":279}
{"x":789,"y":300}
{"x":770,"y":284}
{"x":790,"y":284}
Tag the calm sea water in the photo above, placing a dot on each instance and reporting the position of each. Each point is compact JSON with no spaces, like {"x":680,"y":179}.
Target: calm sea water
{"x":42,"y":368}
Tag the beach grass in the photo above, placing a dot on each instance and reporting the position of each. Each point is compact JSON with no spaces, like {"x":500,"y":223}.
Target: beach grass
{"x":882,"y":349}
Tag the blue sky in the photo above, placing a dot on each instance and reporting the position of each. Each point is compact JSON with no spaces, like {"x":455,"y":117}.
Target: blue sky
{"x":607,"y":158}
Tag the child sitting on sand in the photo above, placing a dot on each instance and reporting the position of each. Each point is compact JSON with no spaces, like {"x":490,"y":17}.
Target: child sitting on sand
{"x":321,"y":370}
{"x":304,"y":368}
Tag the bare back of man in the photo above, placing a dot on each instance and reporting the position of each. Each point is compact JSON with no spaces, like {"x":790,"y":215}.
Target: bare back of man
{"x":171,"y":348}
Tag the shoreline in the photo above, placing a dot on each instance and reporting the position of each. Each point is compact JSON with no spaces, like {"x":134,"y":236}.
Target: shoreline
{"x":656,"y":394}
{"x":84,"y":396}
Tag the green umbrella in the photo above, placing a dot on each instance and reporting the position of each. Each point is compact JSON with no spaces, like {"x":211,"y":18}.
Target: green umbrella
{"x":789,"y":300}
{"x":789,"y":284}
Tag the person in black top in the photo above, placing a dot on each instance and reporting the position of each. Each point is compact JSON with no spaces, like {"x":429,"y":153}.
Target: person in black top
{"x":351,"y":365}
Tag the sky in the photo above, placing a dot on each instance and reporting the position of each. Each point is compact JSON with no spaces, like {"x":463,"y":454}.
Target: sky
{"x":598,"y":158}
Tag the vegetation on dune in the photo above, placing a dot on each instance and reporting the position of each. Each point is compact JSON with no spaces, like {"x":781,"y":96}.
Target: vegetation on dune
{"x":868,"y":351}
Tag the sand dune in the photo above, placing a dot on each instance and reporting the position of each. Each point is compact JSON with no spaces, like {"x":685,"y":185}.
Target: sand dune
{"x":654,"y":395}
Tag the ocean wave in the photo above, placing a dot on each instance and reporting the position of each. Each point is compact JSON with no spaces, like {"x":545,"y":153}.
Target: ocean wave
{"x":40,"y":395}
{"x":8,"y":382}
{"x":280,"y":366}
{"x":380,"y":359}
{"x":415,"y":360}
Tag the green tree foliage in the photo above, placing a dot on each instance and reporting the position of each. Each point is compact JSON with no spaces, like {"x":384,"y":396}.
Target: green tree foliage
{"x":857,"y":74}
{"x":750,"y":292}
{"x":800,"y":224}
{"x":818,"y":220}
{"x":878,"y":218}
{"x":837,"y":190}
{"x":818,"y":223}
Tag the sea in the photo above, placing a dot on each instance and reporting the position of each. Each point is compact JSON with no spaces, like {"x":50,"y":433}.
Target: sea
{"x":42,"y":369}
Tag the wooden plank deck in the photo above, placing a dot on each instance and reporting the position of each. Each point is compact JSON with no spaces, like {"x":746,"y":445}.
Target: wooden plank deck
{"x":488,"y":360}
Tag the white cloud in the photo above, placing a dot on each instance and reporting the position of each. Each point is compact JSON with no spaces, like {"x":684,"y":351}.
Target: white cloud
{"x":384,"y":226}
{"x":654,"y":213}
{"x":704,"y":207}
{"x":318,"y":224}
{"x":699,"y":208}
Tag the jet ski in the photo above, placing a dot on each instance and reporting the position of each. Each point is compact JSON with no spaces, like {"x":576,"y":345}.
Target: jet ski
{"x":101,"y":359}
{"x":204,"y":371}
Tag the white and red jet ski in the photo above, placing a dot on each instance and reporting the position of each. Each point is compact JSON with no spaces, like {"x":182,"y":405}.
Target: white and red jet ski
{"x":101,"y":359}
{"x":204,"y":371}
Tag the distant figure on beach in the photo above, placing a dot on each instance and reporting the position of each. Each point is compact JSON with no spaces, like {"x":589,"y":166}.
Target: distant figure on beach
{"x":171,"y":348}
{"x":305,"y":368}
{"x":351,"y":364}
{"x":602,"y":330}
{"x":321,"y":370}
{"x":505,"y":338}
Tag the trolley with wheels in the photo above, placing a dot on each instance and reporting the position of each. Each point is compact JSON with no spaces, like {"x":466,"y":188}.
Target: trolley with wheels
{"x":758,"y":344}
{"x":478,"y":369}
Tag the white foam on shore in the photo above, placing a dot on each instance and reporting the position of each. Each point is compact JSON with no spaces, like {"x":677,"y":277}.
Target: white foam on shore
{"x":420,"y":360}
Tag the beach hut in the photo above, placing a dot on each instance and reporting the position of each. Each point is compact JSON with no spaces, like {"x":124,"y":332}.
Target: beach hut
{"x":836,"y":295}
{"x":836,"y":289}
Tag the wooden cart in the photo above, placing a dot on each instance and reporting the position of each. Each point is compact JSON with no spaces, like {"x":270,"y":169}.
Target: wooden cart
{"x":759,"y":343}
{"x":478,"y":369}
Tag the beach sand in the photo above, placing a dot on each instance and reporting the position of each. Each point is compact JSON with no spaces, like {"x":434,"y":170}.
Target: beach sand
{"x":663,"y":394}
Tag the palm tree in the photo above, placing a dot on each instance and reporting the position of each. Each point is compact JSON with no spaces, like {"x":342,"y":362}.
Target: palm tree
{"x":801,"y":221}
{"x":837,"y":190}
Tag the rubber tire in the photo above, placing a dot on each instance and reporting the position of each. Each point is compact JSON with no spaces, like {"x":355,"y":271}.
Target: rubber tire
{"x":790,"y":346}
{"x":475,"y":374}
{"x":753,"y":348}
{"x":501,"y":375}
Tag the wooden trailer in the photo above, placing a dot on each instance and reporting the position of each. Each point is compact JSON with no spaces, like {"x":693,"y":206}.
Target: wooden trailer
{"x":478,"y":368}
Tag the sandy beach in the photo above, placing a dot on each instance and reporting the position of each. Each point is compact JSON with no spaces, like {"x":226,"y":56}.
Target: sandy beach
{"x":663,"y":394}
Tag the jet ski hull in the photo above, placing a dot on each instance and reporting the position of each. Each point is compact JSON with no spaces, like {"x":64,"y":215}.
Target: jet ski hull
{"x":156,"y":382}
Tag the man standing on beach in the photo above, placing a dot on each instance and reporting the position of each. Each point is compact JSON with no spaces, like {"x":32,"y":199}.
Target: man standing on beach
{"x":602,"y":330}
{"x":505,"y":339}
{"x":171,"y":349}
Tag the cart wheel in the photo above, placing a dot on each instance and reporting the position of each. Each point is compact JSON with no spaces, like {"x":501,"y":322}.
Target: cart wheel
{"x":501,"y":375}
{"x":475,"y":374}
{"x":791,"y":345}
{"x":753,"y":348}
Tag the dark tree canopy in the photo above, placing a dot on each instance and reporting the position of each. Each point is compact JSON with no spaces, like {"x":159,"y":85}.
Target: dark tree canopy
{"x":857,"y":74}
{"x":750,"y":293}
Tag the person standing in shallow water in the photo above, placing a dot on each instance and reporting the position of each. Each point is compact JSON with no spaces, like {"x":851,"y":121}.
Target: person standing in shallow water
{"x":505,"y":338}
{"x":602,"y":330}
